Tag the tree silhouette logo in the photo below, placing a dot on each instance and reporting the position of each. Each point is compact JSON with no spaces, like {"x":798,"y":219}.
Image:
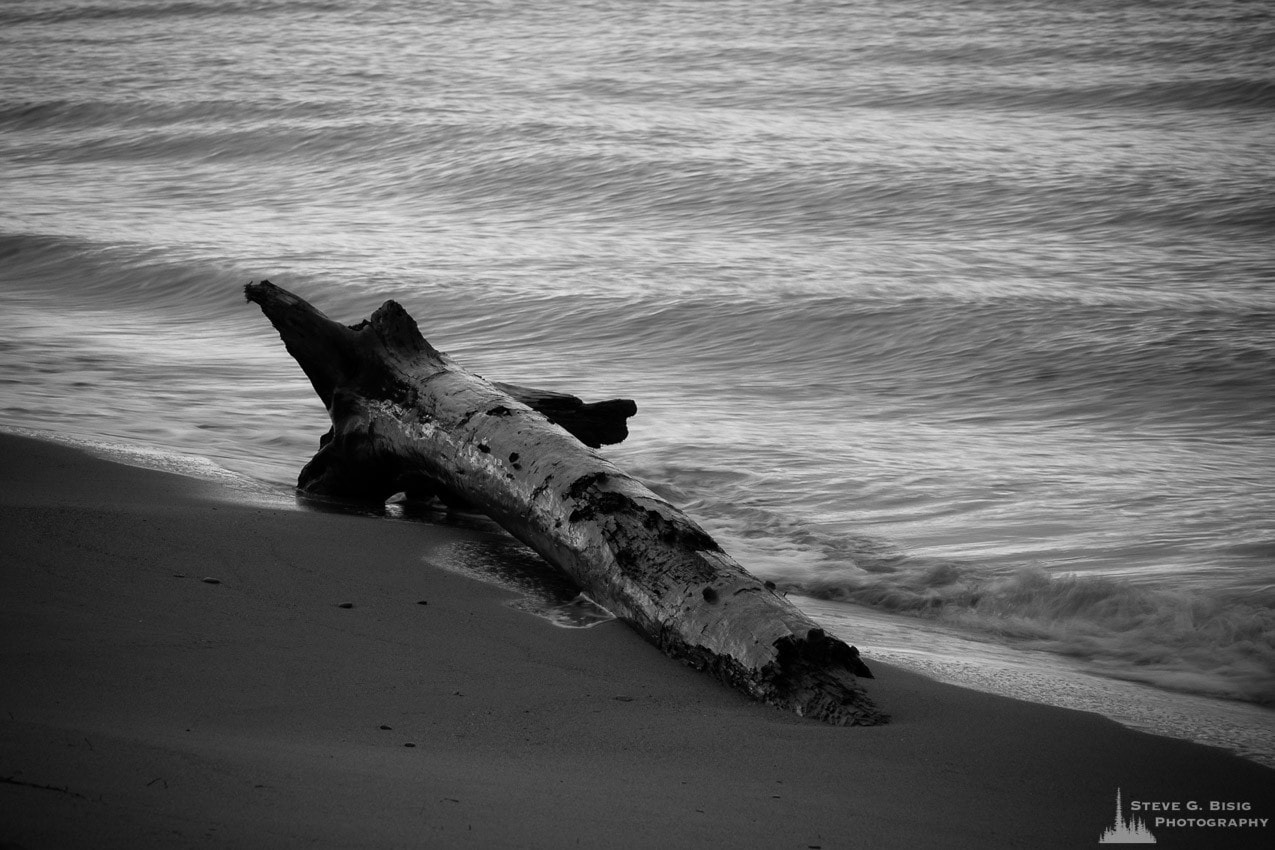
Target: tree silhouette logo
{"x":1126,"y":830}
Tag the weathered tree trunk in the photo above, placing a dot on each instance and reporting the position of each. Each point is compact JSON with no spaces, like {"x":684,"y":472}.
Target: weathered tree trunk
{"x":405,"y":417}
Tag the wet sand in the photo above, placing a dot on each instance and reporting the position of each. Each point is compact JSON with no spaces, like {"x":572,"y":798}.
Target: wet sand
{"x":143,"y":706}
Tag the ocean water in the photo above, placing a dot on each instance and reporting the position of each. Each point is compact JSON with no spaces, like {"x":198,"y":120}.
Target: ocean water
{"x":955,"y":318}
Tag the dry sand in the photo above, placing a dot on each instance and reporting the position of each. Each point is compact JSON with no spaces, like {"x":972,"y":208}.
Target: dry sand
{"x":141,"y":706}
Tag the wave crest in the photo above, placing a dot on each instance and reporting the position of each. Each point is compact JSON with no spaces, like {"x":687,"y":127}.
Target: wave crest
{"x":1175,"y":638}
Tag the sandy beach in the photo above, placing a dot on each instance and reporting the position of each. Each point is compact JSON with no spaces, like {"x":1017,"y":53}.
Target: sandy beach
{"x":179,"y":671}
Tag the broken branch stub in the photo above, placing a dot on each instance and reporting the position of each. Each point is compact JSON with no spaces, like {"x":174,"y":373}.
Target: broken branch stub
{"x":407,"y":417}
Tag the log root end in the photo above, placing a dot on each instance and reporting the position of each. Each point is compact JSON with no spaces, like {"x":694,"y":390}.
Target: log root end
{"x":817,"y":677}
{"x":814,"y":677}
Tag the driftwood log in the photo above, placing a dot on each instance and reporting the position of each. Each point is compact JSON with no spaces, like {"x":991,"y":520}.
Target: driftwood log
{"x":406,"y":418}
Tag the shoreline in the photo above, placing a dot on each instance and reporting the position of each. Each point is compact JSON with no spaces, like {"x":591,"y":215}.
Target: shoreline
{"x":946,"y":655}
{"x":148,"y":707}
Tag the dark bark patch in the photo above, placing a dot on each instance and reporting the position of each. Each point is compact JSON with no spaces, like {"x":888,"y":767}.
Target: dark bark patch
{"x":675,"y":532}
{"x":590,"y":506}
{"x":583,"y":483}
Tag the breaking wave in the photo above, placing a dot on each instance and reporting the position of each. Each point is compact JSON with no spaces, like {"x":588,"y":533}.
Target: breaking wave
{"x":1177,"y":639}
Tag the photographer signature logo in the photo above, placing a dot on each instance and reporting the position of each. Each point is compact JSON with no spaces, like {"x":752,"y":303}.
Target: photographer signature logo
{"x":1178,"y":814}
{"x":1126,"y":830}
